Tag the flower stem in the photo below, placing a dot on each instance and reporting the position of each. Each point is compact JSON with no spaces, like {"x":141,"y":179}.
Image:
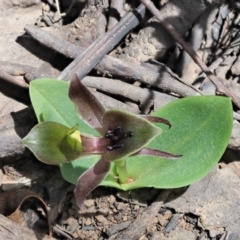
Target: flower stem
{"x":121,"y":169}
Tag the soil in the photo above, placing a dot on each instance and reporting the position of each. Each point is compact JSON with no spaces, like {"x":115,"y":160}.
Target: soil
{"x":208,"y":209}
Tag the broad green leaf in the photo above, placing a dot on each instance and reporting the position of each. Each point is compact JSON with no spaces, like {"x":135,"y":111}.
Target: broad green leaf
{"x":51,"y":103}
{"x":54,"y":143}
{"x":201,"y":128}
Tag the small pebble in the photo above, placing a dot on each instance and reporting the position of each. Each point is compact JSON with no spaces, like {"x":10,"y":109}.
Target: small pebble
{"x":136,"y":207}
{"x":45,"y":7}
{"x":70,"y":220}
{"x":155,"y":220}
{"x":143,"y":238}
{"x":89,"y":203}
{"x":215,"y":232}
{"x":168,"y":214}
{"x":88,"y":222}
{"x":56,"y":17}
{"x":162,"y":220}
{"x":111,"y":199}
{"x":73,"y":226}
{"x":101,"y":219}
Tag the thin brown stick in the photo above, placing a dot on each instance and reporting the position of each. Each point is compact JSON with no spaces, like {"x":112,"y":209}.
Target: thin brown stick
{"x":13,"y":80}
{"x":88,"y":59}
{"x":134,"y":93}
{"x":115,"y":12}
{"x":12,"y":87}
{"x":191,"y":52}
{"x":112,"y":103}
{"x":164,"y":79}
{"x":16,"y":69}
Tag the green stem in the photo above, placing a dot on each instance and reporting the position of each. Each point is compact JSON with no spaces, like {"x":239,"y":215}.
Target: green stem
{"x":121,"y":170}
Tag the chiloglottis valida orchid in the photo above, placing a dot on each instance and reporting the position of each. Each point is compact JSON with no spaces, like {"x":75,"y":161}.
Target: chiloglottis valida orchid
{"x":123,"y":135}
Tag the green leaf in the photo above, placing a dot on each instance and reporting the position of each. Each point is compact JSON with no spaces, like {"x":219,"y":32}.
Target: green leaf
{"x":201,"y":129}
{"x":54,"y":143}
{"x":51,"y":103}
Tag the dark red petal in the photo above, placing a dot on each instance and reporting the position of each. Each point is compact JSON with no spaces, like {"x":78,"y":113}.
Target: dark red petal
{"x":88,"y":107}
{"x":90,"y":179}
{"x":154,"y":152}
{"x":156,"y":119}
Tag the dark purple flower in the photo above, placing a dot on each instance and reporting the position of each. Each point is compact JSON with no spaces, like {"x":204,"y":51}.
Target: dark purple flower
{"x":123,"y":134}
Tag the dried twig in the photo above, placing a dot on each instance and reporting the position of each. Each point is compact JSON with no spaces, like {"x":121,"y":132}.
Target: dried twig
{"x":214,"y":65}
{"x":11,"y":79}
{"x":115,"y":12}
{"x":62,"y":232}
{"x":16,"y":69}
{"x":134,"y":93}
{"x":191,"y":52}
{"x":165,"y":80}
{"x":87,"y":60}
{"x":195,"y":40}
{"x":110,"y":103}
{"x":12,"y":87}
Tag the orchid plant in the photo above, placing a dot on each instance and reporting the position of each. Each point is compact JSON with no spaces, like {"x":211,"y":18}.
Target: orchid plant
{"x":122,"y":133}
{"x":123,"y":150}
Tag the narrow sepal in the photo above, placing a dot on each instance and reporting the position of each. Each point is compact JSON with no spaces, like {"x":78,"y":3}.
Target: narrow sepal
{"x":88,"y":107}
{"x":155,"y":152}
{"x":90,"y":179}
